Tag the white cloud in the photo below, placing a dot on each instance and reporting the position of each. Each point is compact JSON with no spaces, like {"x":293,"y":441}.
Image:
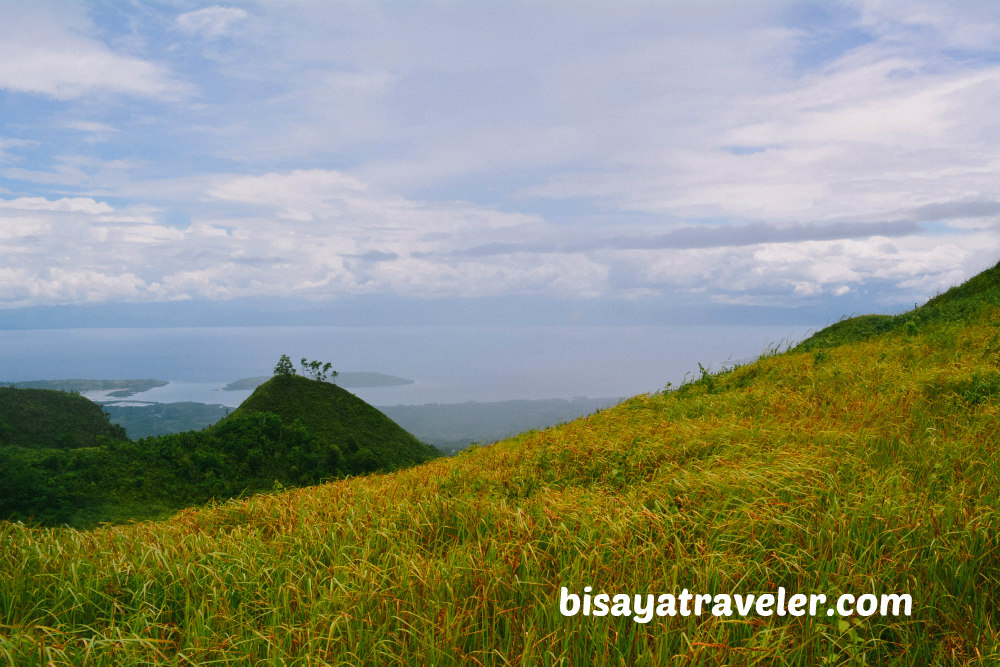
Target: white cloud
{"x":338,"y":201}
{"x":89,"y":126}
{"x":48,"y":52}
{"x":349,"y":240}
{"x":854,"y":140}
{"x":817,"y":268}
{"x":93,"y":131}
{"x":321,"y":247}
{"x":884,"y":127}
{"x":931,"y":25}
{"x":65,"y":204}
{"x":17,"y":227}
{"x":211,"y":21}
{"x":319,"y":161}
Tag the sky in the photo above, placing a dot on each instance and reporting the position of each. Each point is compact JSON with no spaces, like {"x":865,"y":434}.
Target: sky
{"x":535,"y":159}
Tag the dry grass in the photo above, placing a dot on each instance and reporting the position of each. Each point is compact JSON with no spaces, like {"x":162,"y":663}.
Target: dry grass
{"x":871,"y":467}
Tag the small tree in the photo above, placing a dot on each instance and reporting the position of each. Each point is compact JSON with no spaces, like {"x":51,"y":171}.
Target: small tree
{"x":284,"y":367}
{"x":317,"y":370}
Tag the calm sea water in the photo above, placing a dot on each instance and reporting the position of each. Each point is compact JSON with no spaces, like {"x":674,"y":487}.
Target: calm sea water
{"x":448,"y":364}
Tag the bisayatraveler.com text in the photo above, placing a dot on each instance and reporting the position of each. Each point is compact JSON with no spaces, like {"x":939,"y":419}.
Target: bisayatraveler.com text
{"x":644,"y":607}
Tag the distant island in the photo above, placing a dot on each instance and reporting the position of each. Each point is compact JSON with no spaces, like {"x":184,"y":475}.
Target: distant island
{"x":116,"y":388}
{"x":346,"y":380}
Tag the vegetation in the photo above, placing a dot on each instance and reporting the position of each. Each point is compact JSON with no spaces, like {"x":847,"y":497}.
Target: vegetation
{"x":322,"y":432}
{"x":355,"y":380}
{"x":955,"y":307}
{"x":143,"y":421}
{"x":317,"y":370}
{"x":368,"y":438}
{"x":49,"y":418}
{"x":869,"y":465}
{"x":451,"y":427}
{"x":284,"y":367}
{"x":154,"y":477}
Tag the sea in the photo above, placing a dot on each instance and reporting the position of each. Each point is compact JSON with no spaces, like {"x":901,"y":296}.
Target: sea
{"x":447,"y":364}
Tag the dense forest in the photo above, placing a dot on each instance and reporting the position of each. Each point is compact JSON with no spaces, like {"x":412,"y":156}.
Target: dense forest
{"x":63,"y":462}
{"x":40,"y":418}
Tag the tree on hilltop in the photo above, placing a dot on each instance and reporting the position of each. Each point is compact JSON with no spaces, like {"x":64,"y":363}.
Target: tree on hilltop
{"x":284,"y":367}
{"x":317,"y":370}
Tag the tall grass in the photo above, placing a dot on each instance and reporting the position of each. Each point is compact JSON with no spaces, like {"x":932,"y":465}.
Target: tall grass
{"x":868,"y":467}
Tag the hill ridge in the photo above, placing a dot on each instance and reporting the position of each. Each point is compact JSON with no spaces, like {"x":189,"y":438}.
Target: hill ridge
{"x":954,"y":305}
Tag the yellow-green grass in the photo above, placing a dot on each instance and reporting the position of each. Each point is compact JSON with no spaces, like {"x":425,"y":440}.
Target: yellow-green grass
{"x":866,"y":468}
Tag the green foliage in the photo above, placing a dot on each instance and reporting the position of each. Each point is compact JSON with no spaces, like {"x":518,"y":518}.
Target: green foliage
{"x":148,"y":478}
{"x":849,"y":330}
{"x":353,"y":380}
{"x":142,"y":421}
{"x":317,"y":370}
{"x":339,"y":417}
{"x":957,"y":305}
{"x":313,"y":431}
{"x":48,"y":418}
{"x":284,"y":367}
{"x":976,"y":389}
{"x":448,"y":427}
{"x":706,"y":379}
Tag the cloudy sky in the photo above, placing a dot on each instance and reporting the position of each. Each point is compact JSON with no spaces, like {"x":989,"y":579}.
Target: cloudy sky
{"x":779,"y":155}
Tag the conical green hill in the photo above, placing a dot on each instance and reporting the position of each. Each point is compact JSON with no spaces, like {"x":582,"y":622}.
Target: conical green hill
{"x":338,"y":417}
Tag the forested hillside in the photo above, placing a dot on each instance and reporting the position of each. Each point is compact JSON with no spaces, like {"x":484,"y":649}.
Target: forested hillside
{"x":291,"y":432}
{"x":45,"y":418}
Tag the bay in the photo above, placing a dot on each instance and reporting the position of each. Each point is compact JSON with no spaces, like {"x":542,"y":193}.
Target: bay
{"x":449,"y":364}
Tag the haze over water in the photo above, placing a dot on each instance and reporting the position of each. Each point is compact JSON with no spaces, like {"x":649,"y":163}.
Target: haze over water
{"x":448,"y":364}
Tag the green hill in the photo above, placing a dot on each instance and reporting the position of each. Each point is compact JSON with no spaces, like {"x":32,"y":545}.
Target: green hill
{"x":854,"y":471}
{"x":339,"y":418}
{"x":956,"y":305}
{"x":291,"y":432}
{"x":45,"y":418}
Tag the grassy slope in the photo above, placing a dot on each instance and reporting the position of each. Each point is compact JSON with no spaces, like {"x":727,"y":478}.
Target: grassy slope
{"x":956,"y":305}
{"x":869,"y":467}
{"x":337,"y":416}
{"x":48,"y":418}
